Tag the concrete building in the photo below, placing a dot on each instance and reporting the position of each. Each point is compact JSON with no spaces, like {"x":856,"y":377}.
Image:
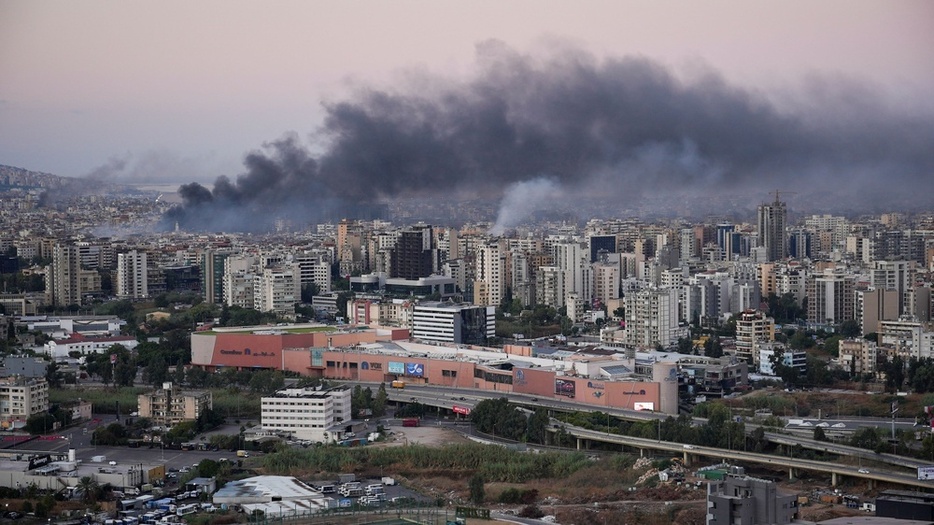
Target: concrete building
{"x":748,"y":501}
{"x":132,"y":275}
{"x":84,"y":345}
{"x":774,"y":353}
{"x":772,"y":219}
{"x":549,"y":286}
{"x":453,"y":323}
{"x":830,"y":297}
{"x":652,"y":318}
{"x":490,"y":285}
{"x":873,"y":306}
{"x":170,"y":404}
{"x":896,"y":276}
{"x":213,"y":264}
{"x":606,"y":280}
{"x":752,"y":329}
{"x":20,"y":398}
{"x":306,"y":414}
{"x":858,"y":356}
{"x":907,"y":338}
{"x":277,"y":289}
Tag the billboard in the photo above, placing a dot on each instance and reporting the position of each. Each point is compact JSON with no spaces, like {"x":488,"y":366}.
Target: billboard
{"x":415,"y":369}
{"x":461,"y":410}
{"x":396,"y":367}
{"x":643,"y":406}
{"x":926,"y":473}
{"x":565,"y":387}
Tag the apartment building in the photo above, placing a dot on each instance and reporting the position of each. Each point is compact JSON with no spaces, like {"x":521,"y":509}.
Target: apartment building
{"x":908,"y":338}
{"x":170,"y":404}
{"x":453,"y":323}
{"x":748,"y":501}
{"x":858,"y":356}
{"x":830,"y":297}
{"x":306,"y":414}
{"x":652,"y":318}
{"x":132,"y":275}
{"x":753,"y":328}
{"x":20,"y":398}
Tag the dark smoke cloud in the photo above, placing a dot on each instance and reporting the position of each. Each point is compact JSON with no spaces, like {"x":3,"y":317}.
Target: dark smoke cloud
{"x":614,"y":128}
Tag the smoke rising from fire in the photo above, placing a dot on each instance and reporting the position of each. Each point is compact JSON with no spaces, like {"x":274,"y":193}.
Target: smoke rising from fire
{"x":613,"y":128}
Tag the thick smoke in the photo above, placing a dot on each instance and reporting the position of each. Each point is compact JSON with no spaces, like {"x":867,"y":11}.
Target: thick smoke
{"x":522,"y":199}
{"x":612,"y":128}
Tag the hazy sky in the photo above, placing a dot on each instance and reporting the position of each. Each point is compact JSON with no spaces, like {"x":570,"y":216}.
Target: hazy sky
{"x":182,"y":90}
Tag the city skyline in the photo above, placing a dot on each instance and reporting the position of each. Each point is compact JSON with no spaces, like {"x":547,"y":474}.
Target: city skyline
{"x":527,"y":103}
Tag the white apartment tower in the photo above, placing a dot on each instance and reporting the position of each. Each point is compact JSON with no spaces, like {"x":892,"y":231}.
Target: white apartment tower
{"x":652,"y":318}
{"x":491,"y":270}
{"x":573,"y":259}
{"x":132,"y":275}
{"x":277,"y":289}
{"x":549,"y":286}
{"x":606,"y":281}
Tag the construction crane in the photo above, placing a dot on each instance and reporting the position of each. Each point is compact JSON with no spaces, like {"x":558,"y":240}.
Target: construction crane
{"x":777,"y":193}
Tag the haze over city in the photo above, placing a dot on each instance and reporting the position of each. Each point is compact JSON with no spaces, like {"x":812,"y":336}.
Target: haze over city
{"x":271,"y":107}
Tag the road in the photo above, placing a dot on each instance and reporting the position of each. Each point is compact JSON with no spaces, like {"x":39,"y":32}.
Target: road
{"x":79,"y":438}
{"x":447,"y":398}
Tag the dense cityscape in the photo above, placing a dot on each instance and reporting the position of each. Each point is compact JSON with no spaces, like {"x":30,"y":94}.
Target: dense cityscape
{"x":464,"y":263}
{"x":624,"y":320}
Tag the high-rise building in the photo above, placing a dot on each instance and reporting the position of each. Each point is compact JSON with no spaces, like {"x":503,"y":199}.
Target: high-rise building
{"x":63,"y":277}
{"x":277,"y":289}
{"x":873,"y":306}
{"x":830,"y":297}
{"x":753,"y":328}
{"x":549,"y":286}
{"x":772,"y":220}
{"x":652,"y":318}
{"x":414,"y":255}
{"x":132,"y":275}
{"x":893,"y":275}
{"x":212,"y":275}
{"x":491,"y":272}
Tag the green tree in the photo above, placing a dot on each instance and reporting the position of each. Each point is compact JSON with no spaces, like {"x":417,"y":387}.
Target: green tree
{"x":156,"y":372}
{"x":685,"y":345}
{"x":477,"y":492}
{"x":88,"y":489}
{"x":379,"y":402}
{"x":52,"y":374}
{"x":819,"y":434}
{"x":537,"y":426}
{"x":713,"y":347}
{"x":849,"y":328}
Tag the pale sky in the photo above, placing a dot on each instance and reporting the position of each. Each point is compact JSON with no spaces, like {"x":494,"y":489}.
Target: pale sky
{"x":182,"y":90}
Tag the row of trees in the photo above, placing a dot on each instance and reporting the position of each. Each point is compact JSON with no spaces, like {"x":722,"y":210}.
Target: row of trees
{"x":503,"y":419}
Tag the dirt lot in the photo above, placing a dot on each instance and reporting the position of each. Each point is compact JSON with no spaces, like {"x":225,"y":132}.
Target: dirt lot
{"x":425,"y":435}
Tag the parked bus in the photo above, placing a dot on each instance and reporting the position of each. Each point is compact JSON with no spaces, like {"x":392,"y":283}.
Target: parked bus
{"x":184,"y":510}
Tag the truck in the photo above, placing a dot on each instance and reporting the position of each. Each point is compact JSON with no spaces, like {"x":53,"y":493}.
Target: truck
{"x":410,"y":422}
{"x":242,"y":454}
{"x":398,"y":384}
{"x":388,"y":481}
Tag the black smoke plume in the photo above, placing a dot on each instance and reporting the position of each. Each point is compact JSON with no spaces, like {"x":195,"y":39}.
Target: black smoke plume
{"x":593,"y":128}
